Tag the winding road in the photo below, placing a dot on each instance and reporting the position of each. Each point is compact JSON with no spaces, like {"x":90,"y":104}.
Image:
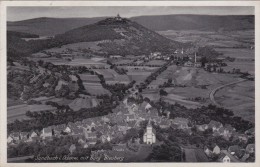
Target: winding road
{"x":213,"y":92}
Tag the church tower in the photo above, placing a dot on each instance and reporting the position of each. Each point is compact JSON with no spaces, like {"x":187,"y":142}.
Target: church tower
{"x":149,"y":136}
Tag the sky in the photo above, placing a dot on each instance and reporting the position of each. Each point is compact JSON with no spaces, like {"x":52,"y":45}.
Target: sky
{"x":23,"y":13}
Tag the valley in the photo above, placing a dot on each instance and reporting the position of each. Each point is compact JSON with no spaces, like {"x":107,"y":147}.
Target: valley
{"x":103,"y":84}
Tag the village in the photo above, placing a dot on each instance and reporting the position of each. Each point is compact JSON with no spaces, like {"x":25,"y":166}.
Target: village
{"x":129,"y":116}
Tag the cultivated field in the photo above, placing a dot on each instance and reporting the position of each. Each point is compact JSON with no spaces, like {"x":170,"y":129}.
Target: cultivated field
{"x":155,"y":62}
{"x":138,"y":75}
{"x":107,"y":73}
{"x":89,"y":78}
{"x":95,"y":89}
{"x":240,"y":98}
{"x":18,"y":111}
{"x":216,"y":39}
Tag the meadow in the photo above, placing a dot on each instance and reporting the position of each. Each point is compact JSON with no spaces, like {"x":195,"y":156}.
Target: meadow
{"x":240,"y":98}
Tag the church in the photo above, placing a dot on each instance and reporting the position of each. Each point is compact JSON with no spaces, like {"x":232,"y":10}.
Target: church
{"x":149,"y":136}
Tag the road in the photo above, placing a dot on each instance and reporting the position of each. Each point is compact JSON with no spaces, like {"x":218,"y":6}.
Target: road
{"x":213,"y":92}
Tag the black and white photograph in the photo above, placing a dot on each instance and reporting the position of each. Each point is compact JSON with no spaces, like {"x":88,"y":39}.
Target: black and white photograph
{"x":120,"y":84}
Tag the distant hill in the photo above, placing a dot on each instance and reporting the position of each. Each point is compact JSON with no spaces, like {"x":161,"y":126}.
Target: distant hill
{"x":196,"y":22}
{"x":45,"y":26}
{"x":52,"y":26}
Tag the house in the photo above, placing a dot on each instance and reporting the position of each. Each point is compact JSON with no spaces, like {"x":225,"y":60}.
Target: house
{"x":105,"y":138}
{"x":250,"y":148}
{"x":235,"y":151}
{"x":216,"y":150}
{"x":202,"y":128}
{"x":125,"y":101}
{"x":105,"y":119}
{"x":197,"y":64}
{"x":86,"y":128}
{"x":226,"y":157}
{"x":10,"y":140}
{"x":168,"y":113}
{"x":67,"y":130}
{"x":195,"y":155}
{"x":77,"y":131}
{"x":250,"y":132}
{"x":188,"y":64}
{"x":245,"y":157}
{"x":86,"y":145}
{"x":16,"y":136}
{"x":130,"y":118}
{"x":72,"y":148}
{"x":132,"y":108}
{"x":24,"y":136}
{"x":32,"y":136}
{"x":149,"y":136}
{"x":92,"y":141}
{"x":207,"y":151}
{"x":164,"y":123}
{"x":181,"y":123}
{"x":81,"y":141}
{"x":148,"y":107}
{"x":227,"y":131}
{"x":47,"y":132}
{"x":243,"y":137}
{"x":90,"y":135}
{"x":214,"y":125}
{"x":123,"y":127}
{"x":58,"y":129}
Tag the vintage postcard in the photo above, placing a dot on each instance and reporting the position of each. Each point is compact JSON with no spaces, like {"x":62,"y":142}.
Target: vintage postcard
{"x":119,"y":82}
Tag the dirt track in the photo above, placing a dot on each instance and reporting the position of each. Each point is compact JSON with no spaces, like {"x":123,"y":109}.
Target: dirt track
{"x":213,"y":92}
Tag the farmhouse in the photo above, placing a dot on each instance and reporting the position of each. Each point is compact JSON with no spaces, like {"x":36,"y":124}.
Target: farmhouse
{"x":226,"y":157}
{"x":182,"y":123}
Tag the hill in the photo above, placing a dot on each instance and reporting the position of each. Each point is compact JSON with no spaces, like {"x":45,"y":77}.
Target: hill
{"x":113,"y":35}
{"x":120,"y":36}
{"x":45,"y":26}
{"x":196,"y":22}
{"x":52,"y":26}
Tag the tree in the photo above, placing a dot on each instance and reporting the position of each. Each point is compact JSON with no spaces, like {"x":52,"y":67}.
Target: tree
{"x":163,"y":92}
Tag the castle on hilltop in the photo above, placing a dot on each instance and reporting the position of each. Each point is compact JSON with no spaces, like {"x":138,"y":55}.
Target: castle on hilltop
{"x":118,"y":17}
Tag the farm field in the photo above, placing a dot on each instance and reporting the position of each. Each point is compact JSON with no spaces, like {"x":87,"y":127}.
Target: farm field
{"x":243,"y":66}
{"x":12,"y":102}
{"x":240,"y":98}
{"x":18,"y":111}
{"x":95,"y":89}
{"x":74,"y":62}
{"x":89,"y":78}
{"x":156,"y":62}
{"x":189,"y":92}
{"x":138,"y":75}
{"x":122,"y":61}
{"x":172,"y":99}
{"x":152,"y":95}
{"x":83,"y":102}
{"x":237,"y":53}
{"x":118,"y":79}
{"x":212,"y":38}
{"x":107,"y":73}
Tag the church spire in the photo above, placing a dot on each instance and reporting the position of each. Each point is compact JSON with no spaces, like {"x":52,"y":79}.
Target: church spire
{"x":149,"y":123}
